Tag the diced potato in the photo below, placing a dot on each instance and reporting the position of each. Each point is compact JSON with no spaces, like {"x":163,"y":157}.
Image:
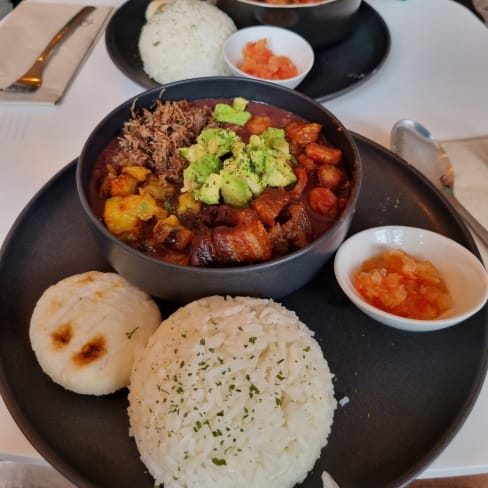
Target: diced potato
{"x":122,"y":215}
{"x":171,"y":221}
{"x":159,"y":189}
{"x":119,"y":186}
{"x":139,"y":173}
{"x":188,"y":204}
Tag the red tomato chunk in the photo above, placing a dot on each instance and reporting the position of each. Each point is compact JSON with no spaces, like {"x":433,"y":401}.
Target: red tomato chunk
{"x":261,"y":62}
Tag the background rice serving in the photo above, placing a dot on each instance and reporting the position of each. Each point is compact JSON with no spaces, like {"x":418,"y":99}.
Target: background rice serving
{"x":184,"y":40}
{"x":231,"y":392}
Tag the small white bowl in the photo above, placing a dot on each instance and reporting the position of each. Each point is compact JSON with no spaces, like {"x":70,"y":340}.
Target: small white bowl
{"x":282,"y":42}
{"x":463,"y":273}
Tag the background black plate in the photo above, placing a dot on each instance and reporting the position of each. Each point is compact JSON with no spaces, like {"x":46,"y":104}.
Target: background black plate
{"x":337,"y":68}
{"x":409,"y":393}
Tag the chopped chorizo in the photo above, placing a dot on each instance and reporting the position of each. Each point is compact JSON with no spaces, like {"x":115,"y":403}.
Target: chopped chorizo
{"x":258,"y":124}
{"x":323,"y":154}
{"x":303,"y":133}
{"x":330,"y":176}
{"x":306,"y":162}
{"x":324,"y":202}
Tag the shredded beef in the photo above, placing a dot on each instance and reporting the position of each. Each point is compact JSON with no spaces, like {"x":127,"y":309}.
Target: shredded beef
{"x":151,"y":138}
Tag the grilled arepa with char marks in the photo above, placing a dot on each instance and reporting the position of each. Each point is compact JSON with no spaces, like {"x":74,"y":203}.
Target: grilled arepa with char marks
{"x":84,"y":330}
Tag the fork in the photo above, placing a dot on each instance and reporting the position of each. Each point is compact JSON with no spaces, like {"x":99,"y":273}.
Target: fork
{"x":31,"y":80}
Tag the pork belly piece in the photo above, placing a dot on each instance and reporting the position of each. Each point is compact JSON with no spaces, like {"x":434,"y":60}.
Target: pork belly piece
{"x":202,"y":251}
{"x":294,"y":233}
{"x":216,"y":215}
{"x":243,"y":243}
{"x":298,"y":228}
{"x":270,"y":204}
{"x":279,"y":240}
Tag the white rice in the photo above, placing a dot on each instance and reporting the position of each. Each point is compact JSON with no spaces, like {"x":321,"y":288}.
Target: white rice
{"x":184,"y":39}
{"x":231,"y":392}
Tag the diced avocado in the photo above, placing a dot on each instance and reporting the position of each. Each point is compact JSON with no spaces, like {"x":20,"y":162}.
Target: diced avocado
{"x":209,"y":193}
{"x":232,"y":114}
{"x":218,"y":141}
{"x":279,"y":173}
{"x":275,"y":139}
{"x":195,"y":175}
{"x":258,"y":160}
{"x":234,"y":191}
{"x":270,"y":153}
{"x":240,"y":103}
{"x":193,"y":153}
{"x":222,"y":166}
{"x":241,"y":166}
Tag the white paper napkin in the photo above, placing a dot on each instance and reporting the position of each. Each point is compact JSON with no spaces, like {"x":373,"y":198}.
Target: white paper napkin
{"x":27,"y":30}
{"x":469,"y":158}
{"x":25,"y":475}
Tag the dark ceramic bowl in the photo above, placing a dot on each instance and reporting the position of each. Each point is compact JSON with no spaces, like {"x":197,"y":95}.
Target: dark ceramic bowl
{"x":273,"y":279}
{"x":323,"y":23}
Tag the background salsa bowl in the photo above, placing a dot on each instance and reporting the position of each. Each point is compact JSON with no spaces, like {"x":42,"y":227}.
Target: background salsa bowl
{"x":275,"y":278}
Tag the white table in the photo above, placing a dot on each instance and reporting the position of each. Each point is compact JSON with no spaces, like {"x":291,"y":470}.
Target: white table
{"x":437,"y":72}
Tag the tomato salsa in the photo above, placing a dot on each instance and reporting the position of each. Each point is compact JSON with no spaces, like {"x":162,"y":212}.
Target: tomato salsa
{"x":260,"y":61}
{"x":398,"y":283}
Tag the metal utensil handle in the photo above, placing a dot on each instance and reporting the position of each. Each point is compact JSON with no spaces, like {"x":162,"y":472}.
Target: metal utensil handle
{"x":466,"y":215}
{"x":67,"y":29}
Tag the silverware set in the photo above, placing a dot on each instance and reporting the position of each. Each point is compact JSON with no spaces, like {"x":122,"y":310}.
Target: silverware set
{"x":31,"y":80}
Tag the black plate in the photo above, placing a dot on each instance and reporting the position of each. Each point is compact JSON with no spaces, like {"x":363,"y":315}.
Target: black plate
{"x":409,"y":393}
{"x":337,"y":68}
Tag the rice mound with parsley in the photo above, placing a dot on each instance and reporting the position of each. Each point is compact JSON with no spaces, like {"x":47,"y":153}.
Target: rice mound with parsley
{"x":184,"y":39}
{"x":231,"y":392}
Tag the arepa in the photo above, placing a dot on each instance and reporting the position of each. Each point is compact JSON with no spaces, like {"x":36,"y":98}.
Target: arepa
{"x":85,"y":328}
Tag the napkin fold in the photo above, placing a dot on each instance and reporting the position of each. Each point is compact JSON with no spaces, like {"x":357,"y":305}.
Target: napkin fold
{"x":27,"y":30}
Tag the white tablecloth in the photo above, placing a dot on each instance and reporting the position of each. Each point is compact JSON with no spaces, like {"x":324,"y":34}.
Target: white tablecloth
{"x":437,"y":72}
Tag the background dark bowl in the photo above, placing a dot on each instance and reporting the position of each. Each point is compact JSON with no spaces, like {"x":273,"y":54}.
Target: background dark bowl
{"x":322,"y":24}
{"x":273,"y":279}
